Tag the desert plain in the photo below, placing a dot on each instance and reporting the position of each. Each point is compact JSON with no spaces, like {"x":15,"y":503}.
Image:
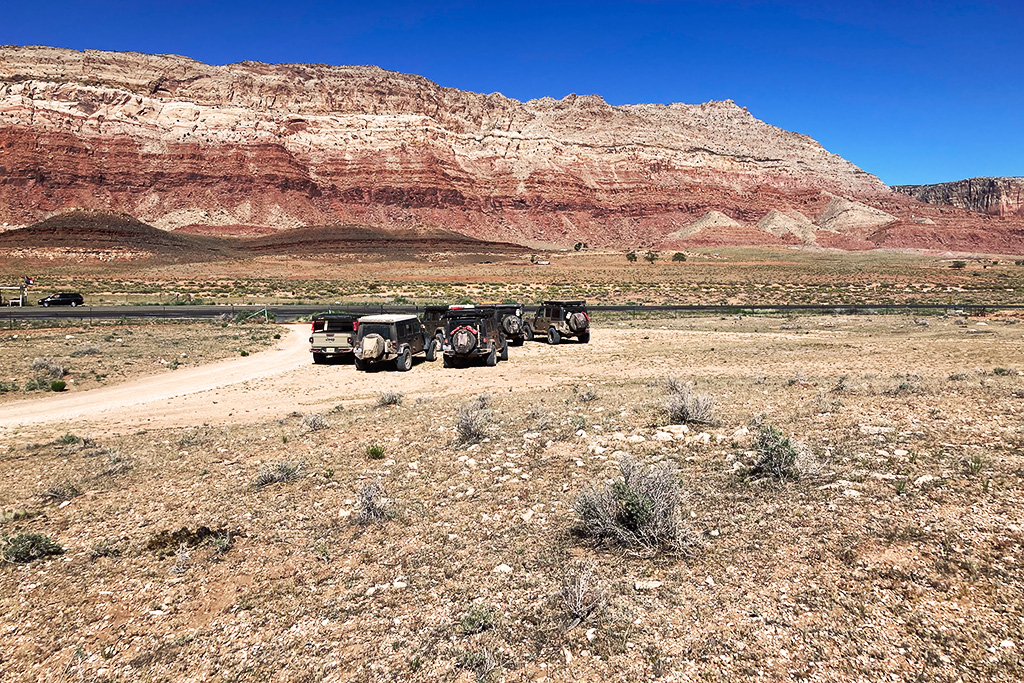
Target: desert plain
{"x":226,"y":510}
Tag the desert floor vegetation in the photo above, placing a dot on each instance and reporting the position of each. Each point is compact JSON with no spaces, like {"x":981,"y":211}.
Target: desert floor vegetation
{"x":871,"y":534}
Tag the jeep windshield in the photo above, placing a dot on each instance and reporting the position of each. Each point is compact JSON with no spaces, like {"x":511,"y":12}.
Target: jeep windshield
{"x":333,"y":325}
{"x":383,"y":329}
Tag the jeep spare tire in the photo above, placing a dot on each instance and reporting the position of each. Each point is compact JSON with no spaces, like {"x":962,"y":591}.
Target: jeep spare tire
{"x":372,"y":346}
{"x":578,"y":322}
{"x":463,"y":341}
{"x":512,"y":325}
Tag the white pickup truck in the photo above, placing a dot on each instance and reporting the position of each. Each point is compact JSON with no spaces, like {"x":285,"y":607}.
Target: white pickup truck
{"x":332,"y":336}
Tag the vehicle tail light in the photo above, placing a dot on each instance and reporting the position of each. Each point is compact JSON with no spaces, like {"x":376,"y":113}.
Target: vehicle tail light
{"x":355,"y":326}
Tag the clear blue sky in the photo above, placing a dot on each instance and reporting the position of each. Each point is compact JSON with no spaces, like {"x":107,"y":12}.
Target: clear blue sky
{"x":914,"y":92}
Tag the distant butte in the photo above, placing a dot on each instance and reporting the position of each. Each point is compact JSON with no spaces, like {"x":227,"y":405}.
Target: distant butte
{"x":254,"y":148}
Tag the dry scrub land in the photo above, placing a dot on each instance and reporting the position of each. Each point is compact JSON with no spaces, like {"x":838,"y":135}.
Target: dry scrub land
{"x":894,"y":553}
{"x":104,"y":353}
{"x":732,"y":276}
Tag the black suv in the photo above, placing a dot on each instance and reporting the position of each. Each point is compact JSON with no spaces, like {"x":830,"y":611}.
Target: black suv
{"x":332,"y":336}
{"x":559,"y":319}
{"x":433,"y":322}
{"x":471,"y":332}
{"x":510,"y":319}
{"x":391,"y":337}
{"x":63,"y":299}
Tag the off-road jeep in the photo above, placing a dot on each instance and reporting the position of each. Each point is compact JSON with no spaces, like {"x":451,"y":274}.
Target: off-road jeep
{"x":510,"y":320}
{"x":391,"y":337}
{"x":332,"y":335}
{"x":471,"y":332}
{"x":433,"y":322}
{"x":560,"y":319}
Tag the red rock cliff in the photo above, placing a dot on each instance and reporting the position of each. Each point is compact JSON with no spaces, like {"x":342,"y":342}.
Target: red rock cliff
{"x":176,"y":142}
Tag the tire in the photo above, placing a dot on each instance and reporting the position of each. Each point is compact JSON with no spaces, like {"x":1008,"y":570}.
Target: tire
{"x":73,"y":304}
{"x":432,"y":351}
{"x":517,"y":341}
{"x":360,"y":365}
{"x":527,"y":332}
{"x":553,"y":337}
{"x":447,"y":361}
{"x":404,"y":361}
{"x":319,"y":358}
{"x":584,"y":337}
{"x":492,"y":358}
{"x":46,"y":305}
{"x":504,"y":351}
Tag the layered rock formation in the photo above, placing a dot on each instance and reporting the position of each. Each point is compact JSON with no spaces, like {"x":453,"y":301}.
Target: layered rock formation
{"x":241,"y":148}
{"x":994,"y":196}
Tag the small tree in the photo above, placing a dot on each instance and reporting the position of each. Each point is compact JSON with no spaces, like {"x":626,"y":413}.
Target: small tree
{"x":679,"y":256}
{"x":959,"y":265}
{"x":631,"y":256}
{"x":651,"y":256}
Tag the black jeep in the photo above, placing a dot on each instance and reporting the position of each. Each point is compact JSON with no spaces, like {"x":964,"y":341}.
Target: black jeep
{"x":510,"y":320}
{"x":433,"y":322}
{"x":559,"y":319}
{"x":389,"y":337}
{"x":471,"y":332}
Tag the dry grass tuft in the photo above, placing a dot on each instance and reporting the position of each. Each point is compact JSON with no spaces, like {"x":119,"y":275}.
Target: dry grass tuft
{"x":372,"y":505}
{"x":686,"y":406}
{"x":277,"y":473}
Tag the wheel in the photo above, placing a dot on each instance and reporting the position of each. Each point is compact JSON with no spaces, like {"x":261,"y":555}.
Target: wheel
{"x":46,"y":305}
{"x":359,"y":363}
{"x":492,"y":358}
{"x":447,"y":361}
{"x":584,"y":337}
{"x":404,"y":360}
{"x":553,"y":337}
{"x":504,"y":351}
{"x":517,"y":341}
{"x":319,"y":358}
{"x":432,"y":351}
{"x":527,"y":332}
{"x":73,"y":304}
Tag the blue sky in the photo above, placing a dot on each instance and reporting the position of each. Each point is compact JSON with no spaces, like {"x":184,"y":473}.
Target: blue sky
{"x":914,"y":92}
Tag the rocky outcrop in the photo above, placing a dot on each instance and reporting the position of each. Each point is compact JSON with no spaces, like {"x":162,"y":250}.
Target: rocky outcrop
{"x":843,"y":215}
{"x":179,"y":143}
{"x":993,"y":196}
{"x":248,"y":147}
{"x":792,"y":223}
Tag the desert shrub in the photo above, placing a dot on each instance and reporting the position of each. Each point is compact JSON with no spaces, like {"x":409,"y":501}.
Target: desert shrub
{"x":776,"y":455}
{"x":472,"y":421}
{"x":631,"y":256}
{"x":86,"y":351}
{"x":1004,"y":372}
{"x":640,"y":511}
{"x":390,"y":398}
{"x":375,"y":452}
{"x":58,"y":385}
{"x":315,"y":422}
{"x":486,"y":664}
{"x":679,"y":257}
{"x":959,"y":265}
{"x":104,"y":548}
{"x":958,"y":376}
{"x":372,"y":503}
{"x":685,"y":406}
{"x":15,"y":515}
{"x":825,"y":403}
{"x":587,"y":396}
{"x":477,"y":619}
{"x":44,"y":365}
{"x":68,"y":439}
{"x":276,"y":473}
{"x":8,"y":386}
{"x":581,"y":594}
{"x":116,"y":464}
{"x":906,"y":385}
{"x":58,"y":493}
{"x":29,"y":546}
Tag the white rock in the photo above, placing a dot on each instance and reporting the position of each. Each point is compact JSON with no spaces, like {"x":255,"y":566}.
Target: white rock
{"x":398,"y":584}
{"x":899,"y":452}
{"x":648,"y":585}
{"x":1006,"y":644}
{"x":580,"y":433}
{"x":852,"y":493}
{"x":709,"y":581}
{"x":503,"y":569}
{"x":619,"y":436}
{"x":592,"y":634}
{"x":527,"y":516}
{"x":675,"y":429}
{"x":926,"y":479}
{"x":636,"y":438}
{"x":663,"y":436}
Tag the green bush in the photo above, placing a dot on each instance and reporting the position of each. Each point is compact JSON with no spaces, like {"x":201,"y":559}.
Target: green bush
{"x":58,"y":385}
{"x":631,"y":256}
{"x":27,"y":547}
{"x":776,"y":455}
{"x":679,"y":257}
{"x":375,"y":452}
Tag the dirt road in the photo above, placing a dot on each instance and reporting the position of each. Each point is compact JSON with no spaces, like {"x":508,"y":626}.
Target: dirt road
{"x":271,"y":384}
